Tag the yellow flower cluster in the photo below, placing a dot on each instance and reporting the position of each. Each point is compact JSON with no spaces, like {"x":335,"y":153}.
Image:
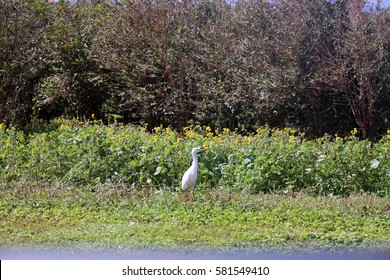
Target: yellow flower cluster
{"x":198,"y":132}
{"x":261,"y":130}
{"x":338,"y":138}
{"x":248,"y":139}
{"x":158,"y":129}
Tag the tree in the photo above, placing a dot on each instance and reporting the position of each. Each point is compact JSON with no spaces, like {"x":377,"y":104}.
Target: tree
{"x":76,"y":86}
{"x":355,"y":62}
{"x":22,"y":57}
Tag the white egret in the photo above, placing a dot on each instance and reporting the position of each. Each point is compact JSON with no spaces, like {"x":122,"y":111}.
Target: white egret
{"x":190,"y":176}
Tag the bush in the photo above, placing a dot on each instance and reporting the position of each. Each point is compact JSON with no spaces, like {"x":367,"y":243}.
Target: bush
{"x":206,"y":62}
{"x":90,"y":154}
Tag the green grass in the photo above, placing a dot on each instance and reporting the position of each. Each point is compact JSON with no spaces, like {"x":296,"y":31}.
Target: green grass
{"x":215,"y":220}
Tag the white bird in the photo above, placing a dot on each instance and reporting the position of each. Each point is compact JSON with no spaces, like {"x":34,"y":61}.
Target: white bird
{"x":190,"y":176}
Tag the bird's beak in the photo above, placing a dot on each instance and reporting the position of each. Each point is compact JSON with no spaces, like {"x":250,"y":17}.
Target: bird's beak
{"x":201,"y":149}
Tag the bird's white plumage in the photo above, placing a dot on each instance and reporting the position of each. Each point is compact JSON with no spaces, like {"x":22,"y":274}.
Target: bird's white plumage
{"x":190,"y":176}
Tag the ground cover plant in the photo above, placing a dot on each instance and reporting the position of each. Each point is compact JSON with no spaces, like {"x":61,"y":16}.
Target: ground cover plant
{"x":117,"y":186}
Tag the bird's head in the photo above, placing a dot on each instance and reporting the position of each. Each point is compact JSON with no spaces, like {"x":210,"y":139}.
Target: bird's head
{"x":197,"y":150}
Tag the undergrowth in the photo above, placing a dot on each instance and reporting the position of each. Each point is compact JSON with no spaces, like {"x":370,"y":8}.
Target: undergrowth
{"x":91,"y":154}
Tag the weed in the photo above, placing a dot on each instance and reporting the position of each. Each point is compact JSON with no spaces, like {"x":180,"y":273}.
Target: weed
{"x":273,"y":161}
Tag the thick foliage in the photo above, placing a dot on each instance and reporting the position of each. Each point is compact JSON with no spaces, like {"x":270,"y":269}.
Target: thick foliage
{"x":92,"y":155}
{"x":320,"y":66}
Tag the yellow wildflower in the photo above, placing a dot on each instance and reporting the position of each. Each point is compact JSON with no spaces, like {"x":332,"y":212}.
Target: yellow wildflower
{"x":338,"y":137}
{"x":158,"y":129}
{"x":190,"y":133}
{"x":170,"y":133}
{"x":248,"y":139}
{"x":209,"y":134}
{"x":260,"y":130}
{"x":64,"y":126}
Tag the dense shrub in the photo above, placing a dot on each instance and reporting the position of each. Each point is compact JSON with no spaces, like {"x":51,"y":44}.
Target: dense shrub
{"x":271,"y":160}
{"x":319,"y":66}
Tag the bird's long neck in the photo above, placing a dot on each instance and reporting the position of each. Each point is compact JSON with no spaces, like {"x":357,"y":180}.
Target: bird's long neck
{"x":194,"y":160}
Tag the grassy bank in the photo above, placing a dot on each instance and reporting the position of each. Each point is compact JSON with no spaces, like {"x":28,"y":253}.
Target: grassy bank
{"x":214,"y":220}
{"x":88,"y":185}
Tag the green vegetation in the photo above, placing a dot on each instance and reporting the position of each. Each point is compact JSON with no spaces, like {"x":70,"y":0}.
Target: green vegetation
{"x":87,"y":185}
{"x":102,"y":101}
{"x":271,"y":160}
{"x":219,"y":221}
{"x":319,"y":66}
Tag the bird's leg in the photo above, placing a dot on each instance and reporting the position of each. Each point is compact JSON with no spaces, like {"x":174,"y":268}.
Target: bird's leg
{"x":185,"y":195}
{"x":193,"y":193}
